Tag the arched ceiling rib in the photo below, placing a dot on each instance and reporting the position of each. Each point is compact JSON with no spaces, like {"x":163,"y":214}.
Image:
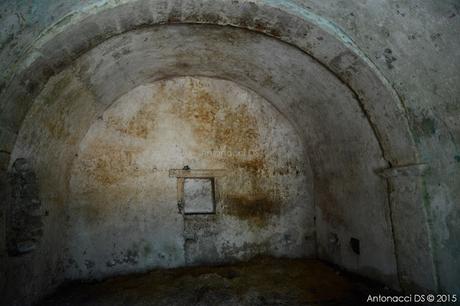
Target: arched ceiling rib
{"x":291,"y":24}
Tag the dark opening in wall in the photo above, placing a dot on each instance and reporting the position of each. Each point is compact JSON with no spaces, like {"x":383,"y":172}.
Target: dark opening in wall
{"x":354,"y":243}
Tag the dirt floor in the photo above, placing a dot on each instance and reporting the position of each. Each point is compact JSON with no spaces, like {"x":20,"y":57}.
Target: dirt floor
{"x":262,"y":281}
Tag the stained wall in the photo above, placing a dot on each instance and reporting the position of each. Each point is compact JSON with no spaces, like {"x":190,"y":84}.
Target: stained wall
{"x":123,"y":203}
{"x":413,"y":45}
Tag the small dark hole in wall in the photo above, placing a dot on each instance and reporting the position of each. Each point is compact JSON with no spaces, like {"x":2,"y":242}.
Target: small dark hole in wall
{"x":333,"y":239}
{"x":354,"y":243}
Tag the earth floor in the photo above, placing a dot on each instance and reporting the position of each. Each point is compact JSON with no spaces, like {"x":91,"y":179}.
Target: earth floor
{"x":261,"y":281}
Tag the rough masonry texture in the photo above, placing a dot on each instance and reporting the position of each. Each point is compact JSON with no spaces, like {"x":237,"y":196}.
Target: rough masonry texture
{"x":24,"y":219}
{"x":337,"y":124}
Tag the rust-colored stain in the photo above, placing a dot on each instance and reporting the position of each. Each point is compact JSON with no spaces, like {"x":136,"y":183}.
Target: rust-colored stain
{"x":235,"y":128}
{"x":257,"y":209}
{"x":108,"y":163}
{"x":238,"y":130}
{"x":141,"y":125}
{"x":218,"y":125}
{"x":252,"y":192}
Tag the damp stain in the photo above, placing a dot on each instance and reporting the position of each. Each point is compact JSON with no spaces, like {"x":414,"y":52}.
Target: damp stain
{"x":257,"y":209}
{"x":428,"y":126}
{"x":327,"y":202}
{"x":251,"y":192}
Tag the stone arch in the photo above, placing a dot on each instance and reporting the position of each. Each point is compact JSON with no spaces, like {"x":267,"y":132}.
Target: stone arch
{"x":287,"y":22}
